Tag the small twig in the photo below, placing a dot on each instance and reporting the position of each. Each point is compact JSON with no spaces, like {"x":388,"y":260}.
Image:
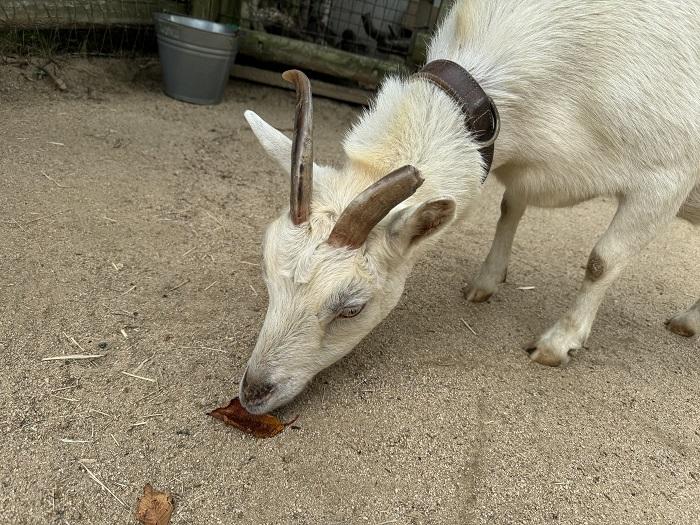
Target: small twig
{"x":130,"y":289}
{"x":113,"y":312}
{"x":108,"y":219}
{"x":151,"y":397}
{"x":100,"y":412}
{"x":249,"y":263}
{"x":143,"y":363}
{"x":71,"y":357}
{"x":103,"y":485}
{"x":204,"y":348}
{"x":53,"y":180}
{"x":76,"y":343}
{"x":467,"y":325}
{"x":72,"y":340}
{"x":126,"y":336}
{"x":139,"y":424}
{"x":526,"y":287}
{"x":254,"y":291}
{"x":73,"y":400}
{"x":139,"y":377}
{"x":64,"y":388}
{"x":215,"y":219}
{"x":212,"y":284}
{"x":66,"y":440}
{"x":56,"y":143}
{"x":60,"y":84}
{"x":183,"y":283}
{"x":45,"y":217}
{"x":16,"y":223}
{"x":115,"y":439}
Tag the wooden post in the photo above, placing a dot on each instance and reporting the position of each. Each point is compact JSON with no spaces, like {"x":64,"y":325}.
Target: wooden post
{"x":323,"y":89}
{"x":230,"y":12}
{"x":206,"y":9}
{"x":366,"y":71}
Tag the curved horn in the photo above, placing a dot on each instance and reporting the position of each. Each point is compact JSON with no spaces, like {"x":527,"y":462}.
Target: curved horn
{"x":372,"y":205}
{"x":302,"y":148}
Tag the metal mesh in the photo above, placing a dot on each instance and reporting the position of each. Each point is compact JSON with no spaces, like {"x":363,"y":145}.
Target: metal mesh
{"x":124,"y":27}
{"x":373,"y":27}
{"x":95,"y":27}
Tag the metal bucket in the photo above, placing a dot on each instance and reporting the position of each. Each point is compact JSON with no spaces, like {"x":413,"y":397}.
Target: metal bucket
{"x":196,"y":57}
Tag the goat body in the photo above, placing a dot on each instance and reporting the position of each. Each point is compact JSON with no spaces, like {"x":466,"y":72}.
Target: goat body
{"x":596,"y":97}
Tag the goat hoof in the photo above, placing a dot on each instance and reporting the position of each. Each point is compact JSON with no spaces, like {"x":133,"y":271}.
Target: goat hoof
{"x":476,"y":295}
{"x":547,"y":356}
{"x":681,"y":325}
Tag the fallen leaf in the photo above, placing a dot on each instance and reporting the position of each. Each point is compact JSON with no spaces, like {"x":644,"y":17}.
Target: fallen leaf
{"x":155,"y":507}
{"x":260,"y":426}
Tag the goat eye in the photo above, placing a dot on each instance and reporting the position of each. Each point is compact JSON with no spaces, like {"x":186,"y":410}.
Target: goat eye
{"x":351,"y":311}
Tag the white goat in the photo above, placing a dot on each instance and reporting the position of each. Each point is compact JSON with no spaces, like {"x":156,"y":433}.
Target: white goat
{"x":596,"y":97}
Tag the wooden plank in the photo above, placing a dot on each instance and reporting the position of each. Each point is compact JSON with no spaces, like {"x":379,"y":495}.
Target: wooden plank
{"x":366,"y":71}
{"x":324,"y":89}
{"x":44,"y":14}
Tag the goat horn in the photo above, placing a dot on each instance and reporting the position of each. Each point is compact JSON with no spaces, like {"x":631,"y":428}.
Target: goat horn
{"x":302,"y":148}
{"x":372,"y":205}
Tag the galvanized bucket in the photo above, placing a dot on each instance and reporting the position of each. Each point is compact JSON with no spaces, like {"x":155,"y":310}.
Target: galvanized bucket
{"x":196,"y":57}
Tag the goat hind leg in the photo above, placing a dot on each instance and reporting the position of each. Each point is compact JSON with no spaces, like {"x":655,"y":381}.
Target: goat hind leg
{"x":636,"y":222}
{"x":686,"y":323}
{"x":495,"y":267}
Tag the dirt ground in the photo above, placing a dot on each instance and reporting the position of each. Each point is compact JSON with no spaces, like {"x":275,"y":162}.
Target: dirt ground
{"x":130,"y":226}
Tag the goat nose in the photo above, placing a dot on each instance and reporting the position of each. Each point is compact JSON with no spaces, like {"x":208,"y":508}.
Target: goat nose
{"x":255,"y":390}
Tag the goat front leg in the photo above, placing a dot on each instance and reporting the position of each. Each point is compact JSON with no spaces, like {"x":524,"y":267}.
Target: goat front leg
{"x":687,"y":323}
{"x":495,"y":267}
{"x":636,"y":222}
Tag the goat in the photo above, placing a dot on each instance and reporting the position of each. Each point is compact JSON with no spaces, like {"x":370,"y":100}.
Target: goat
{"x":596,"y":98}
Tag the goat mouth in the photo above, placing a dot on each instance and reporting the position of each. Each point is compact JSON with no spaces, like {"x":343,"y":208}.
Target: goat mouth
{"x":257,"y":405}
{"x":279,"y":396}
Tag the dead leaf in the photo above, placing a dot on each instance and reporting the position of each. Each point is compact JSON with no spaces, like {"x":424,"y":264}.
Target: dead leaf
{"x":155,"y":507}
{"x":264,"y":426}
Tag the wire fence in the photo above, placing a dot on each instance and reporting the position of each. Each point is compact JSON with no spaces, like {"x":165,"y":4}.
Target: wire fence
{"x":124,"y":27}
{"x":368,"y":27}
{"x":93,"y":27}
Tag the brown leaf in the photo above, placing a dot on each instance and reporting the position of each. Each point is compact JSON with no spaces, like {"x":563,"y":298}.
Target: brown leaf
{"x":264,"y":426}
{"x":155,"y":507}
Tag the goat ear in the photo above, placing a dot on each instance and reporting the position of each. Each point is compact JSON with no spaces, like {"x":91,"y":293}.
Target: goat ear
{"x":416,"y":224}
{"x":274,"y":142}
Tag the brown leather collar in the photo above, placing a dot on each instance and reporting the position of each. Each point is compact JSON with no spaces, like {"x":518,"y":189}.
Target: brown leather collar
{"x":480,"y":112}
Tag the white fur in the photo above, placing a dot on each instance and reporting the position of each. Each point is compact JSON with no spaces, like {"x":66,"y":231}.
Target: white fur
{"x":596,"y":97}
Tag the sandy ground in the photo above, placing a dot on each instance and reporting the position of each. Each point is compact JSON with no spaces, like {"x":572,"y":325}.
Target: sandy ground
{"x":131,"y":223}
